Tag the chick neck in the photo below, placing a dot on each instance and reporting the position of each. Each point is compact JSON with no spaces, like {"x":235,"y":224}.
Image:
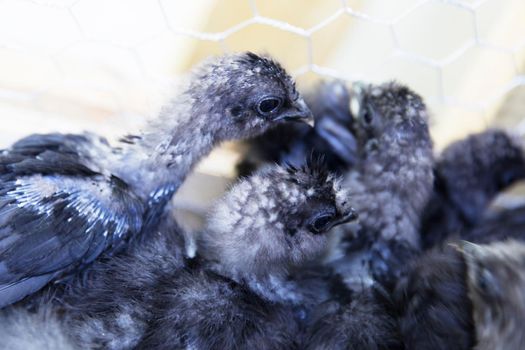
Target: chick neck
{"x":156,"y":162}
{"x":393,"y":171}
{"x":389,"y":187}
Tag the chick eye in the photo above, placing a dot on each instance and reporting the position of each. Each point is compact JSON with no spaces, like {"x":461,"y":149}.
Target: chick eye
{"x":269,"y":105}
{"x":367,"y":116}
{"x":320,"y":223}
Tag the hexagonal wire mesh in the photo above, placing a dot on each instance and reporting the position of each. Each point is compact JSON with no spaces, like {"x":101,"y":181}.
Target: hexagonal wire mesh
{"x":105,"y":65}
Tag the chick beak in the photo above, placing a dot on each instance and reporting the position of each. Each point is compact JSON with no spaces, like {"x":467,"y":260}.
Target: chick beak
{"x":350,"y":216}
{"x":339,"y":137}
{"x":299,"y":111}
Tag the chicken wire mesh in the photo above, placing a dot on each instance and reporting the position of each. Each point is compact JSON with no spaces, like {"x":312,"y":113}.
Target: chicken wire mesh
{"x":106,"y":65}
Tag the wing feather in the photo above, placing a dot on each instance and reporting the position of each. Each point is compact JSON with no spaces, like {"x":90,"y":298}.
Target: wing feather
{"x":56,"y":213}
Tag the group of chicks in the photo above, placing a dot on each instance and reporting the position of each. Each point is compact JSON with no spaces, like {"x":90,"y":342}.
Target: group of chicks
{"x":344,"y":235}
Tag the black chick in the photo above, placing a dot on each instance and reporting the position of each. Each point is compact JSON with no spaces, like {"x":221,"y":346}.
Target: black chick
{"x":353,"y":321}
{"x":433,"y":307}
{"x":468,"y":175}
{"x":496,"y":285}
{"x":237,"y":293}
{"x":391,"y":181}
{"x":464,"y":295}
{"x":66,"y":199}
{"x":330,"y":137}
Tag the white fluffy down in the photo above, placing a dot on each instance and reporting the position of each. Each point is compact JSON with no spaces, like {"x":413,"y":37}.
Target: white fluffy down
{"x":22,"y":330}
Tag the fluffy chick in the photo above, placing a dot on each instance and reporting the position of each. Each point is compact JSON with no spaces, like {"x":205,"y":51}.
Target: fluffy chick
{"x":496,"y":285}
{"x":391,"y":182}
{"x":468,"y":175}
{"x":392,"y":179}
{"x":237,"y":293}
{"x":464,"y":295}
{"x":67,"y":199}
{"x":433,"y":307}
{"x":362,"y":320}
{"x":243,"y":296}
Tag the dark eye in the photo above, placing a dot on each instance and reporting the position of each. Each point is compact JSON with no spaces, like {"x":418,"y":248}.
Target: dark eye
{"x":321,"y":223}
{"x":269,"y":105}
{"x":367,"y":116}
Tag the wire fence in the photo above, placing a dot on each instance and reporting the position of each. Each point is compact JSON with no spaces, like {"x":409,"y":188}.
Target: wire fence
{"x":105,"y":65}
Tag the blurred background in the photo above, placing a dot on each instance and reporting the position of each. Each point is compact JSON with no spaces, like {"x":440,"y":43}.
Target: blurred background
{"x":107,"y":65}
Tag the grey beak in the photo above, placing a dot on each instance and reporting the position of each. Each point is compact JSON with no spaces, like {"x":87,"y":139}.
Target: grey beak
{"x":350,"y":216}
{"x":299,"y":111}
{"x":339,"y":137}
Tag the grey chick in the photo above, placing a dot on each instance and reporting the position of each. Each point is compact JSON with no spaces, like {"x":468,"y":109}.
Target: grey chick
{"x":496,"y":286}
{"x":238,"y":292}
{"x":331,"y":137}
{"x":67,"y":199}
{"x":391,"y":182}
{"x":468,"y":175}
{"x":392,"y":179}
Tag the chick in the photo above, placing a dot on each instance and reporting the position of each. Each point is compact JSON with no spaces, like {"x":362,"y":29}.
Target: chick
{"x":362,"y":320}
{"x":330,"y":137}
{"x":237,"y":293}
{"x":496,"y":286}
{"x":391,"y":182}
{"x":392,"y":179}
{"x":464,"y":295}
{"x":468,"y":175}
{"x":67,"y":199}
{"x":433,"y":307}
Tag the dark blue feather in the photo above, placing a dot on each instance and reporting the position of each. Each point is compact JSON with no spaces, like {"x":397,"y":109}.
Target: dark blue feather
{"x":56,"y":213}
